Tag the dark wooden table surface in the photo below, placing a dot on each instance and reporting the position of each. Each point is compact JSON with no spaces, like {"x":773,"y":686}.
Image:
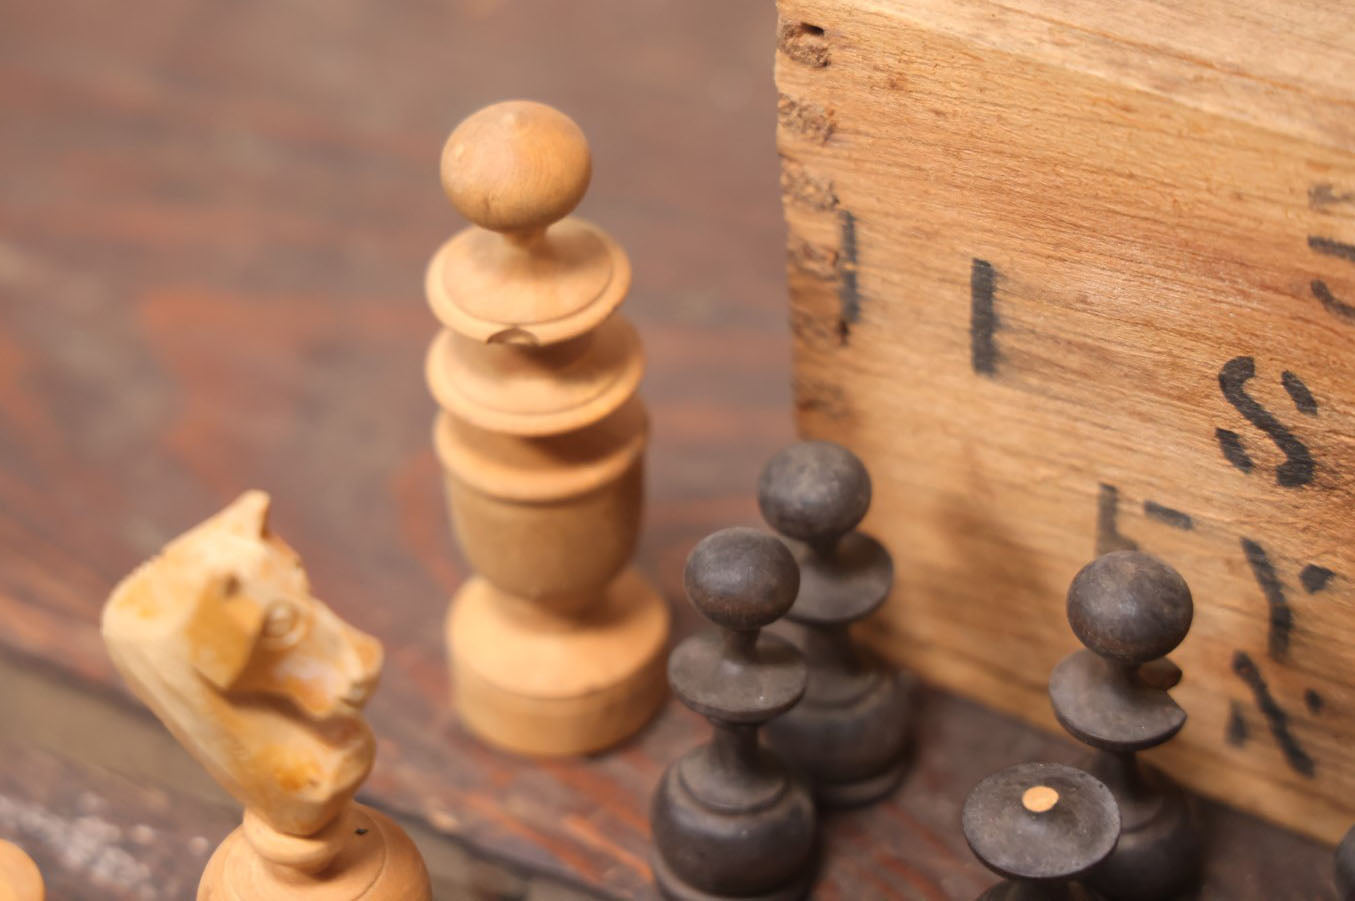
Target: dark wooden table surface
{"x":214,"y":219}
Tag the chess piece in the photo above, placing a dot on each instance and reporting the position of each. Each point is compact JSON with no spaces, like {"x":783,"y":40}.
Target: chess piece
{"x":729,"y":819}
{"x":849,"y":732}
{"x":1041,"y":826}
{"x":1130,"y":610}
{"x":19,"y":876}
{"x":221,"y":637}
{"x":556,"y":646}
{"x":1345,"y":867}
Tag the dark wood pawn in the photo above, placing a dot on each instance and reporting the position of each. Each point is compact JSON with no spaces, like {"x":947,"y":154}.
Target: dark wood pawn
{"x":849,"y":733}
{"x":729,"y":818}
{"x":1041,"y":826}
{"x":1345,"y":867}
{"x":1130,"y":610}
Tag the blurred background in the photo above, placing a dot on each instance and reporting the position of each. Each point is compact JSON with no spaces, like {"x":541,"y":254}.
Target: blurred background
{"x":214,"y":223}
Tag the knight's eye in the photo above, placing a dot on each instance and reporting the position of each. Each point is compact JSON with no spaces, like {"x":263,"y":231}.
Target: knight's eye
{"x":281,"y":623}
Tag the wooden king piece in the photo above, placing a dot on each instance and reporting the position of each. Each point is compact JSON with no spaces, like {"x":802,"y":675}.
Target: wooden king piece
{"x":221,"y":637}
{"x":556,"y":646}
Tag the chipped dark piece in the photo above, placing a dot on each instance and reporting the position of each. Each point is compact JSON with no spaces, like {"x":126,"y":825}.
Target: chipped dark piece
{"x":1130,"y":610}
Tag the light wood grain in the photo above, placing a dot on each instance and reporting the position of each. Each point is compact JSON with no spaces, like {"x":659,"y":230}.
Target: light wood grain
{"x":1153,"y":224}
{"x":556,"y":647}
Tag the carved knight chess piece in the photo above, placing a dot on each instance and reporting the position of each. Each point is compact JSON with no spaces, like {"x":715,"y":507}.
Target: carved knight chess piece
{"x":264,"y":685}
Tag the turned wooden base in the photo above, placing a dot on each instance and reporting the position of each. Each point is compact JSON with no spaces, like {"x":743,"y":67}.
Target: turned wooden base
{"x":376,"y":862}
{"x":535,"y":682}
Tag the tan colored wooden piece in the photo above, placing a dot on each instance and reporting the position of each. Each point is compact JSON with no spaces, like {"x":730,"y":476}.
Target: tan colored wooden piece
{"x":19,"y":876}
{"x":1071,"y":277}
{"x":555,"y":647}
{"x":221,"y":637}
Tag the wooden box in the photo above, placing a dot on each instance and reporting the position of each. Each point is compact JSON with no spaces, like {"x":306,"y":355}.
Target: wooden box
{"x":1074,"y":276}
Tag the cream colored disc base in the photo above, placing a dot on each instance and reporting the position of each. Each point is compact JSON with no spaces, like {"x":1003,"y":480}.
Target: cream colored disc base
{"x":536,"y":683}
{"x":378,"y":863}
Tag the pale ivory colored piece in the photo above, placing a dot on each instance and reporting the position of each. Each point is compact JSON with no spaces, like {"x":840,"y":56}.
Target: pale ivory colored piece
{"x":19,"y":876}
{"x":264,"y":685}
{"x":555,"y":647}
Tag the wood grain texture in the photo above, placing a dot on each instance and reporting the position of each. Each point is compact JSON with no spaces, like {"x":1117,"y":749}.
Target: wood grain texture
{"x":214,"y":223}
{"x":1071,"y":279}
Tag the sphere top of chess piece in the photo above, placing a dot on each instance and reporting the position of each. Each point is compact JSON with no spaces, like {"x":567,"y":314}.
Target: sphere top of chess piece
{"x":814,"y":491}
{"x":1041,"y":821}
{"x":516,"y":166}
{"x":817,"y":492}
{"x":530,"y":275}
{"x":1129,"y":607}
{"x":741,"y":579}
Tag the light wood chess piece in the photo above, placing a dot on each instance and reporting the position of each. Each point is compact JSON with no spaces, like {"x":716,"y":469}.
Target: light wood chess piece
{"x":556,"y":646}
{"x":221,"y":637}
{"x":19,"y":876}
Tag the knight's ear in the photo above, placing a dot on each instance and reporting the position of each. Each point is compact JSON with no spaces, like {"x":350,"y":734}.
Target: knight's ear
{"x":223,"y":631}
{"x":247,"y":515}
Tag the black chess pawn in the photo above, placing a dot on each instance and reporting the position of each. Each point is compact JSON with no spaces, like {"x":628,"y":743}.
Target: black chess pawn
{"x":1345,"y":867}
{"x":729,"y":819}
{"x":1041,"y":826}
{"x":850,"y":731}
{"x":1130,"y":610}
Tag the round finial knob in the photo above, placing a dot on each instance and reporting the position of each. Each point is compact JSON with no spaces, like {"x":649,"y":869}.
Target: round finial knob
{"x":816,"y":491}
{"x":1041,"y":821}
{"x":1129,"y":606}
{"x":516,"y":166}
{"x":741,"y":579}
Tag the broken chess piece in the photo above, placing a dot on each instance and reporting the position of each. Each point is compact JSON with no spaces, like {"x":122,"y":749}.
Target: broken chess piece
{"x":264,"y":685}
{"x":849,"y":733}
{"x":1041,"y":826}
{"x":1130,"y":610}
{"x":730,"y":819}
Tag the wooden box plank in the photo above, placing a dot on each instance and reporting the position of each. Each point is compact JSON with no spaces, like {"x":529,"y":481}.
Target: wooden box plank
{"x":1072,"y":279}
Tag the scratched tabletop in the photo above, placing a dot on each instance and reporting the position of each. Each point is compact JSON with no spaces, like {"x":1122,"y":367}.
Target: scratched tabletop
{"x":214,"y":219}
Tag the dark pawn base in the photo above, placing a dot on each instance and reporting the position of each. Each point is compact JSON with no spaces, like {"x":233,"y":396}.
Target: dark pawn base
{"x":761,"y":847}
{"x":1035,"y":891}
{"x":854,"y":751}
{"x":1158,"y":857}
{"x":844,"y":795}
{"x":674,"y":889}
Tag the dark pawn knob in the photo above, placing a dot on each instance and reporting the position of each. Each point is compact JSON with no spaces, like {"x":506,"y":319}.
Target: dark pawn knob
{"x":1041,"y":826}
{"x":850,"y":731}
{"x":729,"y":820}
{"x":1130,"y":610}
{"x":1345,"y":867}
